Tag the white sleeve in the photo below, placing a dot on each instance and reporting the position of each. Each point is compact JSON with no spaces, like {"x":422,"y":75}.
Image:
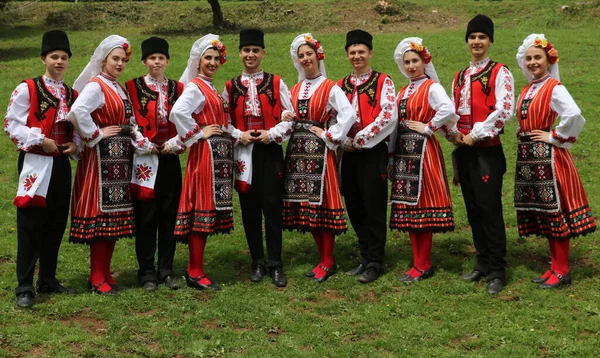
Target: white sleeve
{"x":15,"y":121}
{"x":571,"y":120}
{"x":345,"y":118}
{"x":282,"y":131}
{"x":191,"y":101}
{"x":505,"y":104}
{"x":90,"y":99}
{"x":445,"y":117}
{"x":384,"y":124}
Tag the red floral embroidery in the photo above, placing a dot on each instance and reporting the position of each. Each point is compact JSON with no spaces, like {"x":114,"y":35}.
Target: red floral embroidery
{"x":190,"y":134}
{"x":240,"y":166}
{"x":499,"y":124}
{"x":143,"y":172}
{"x":29,"y":181}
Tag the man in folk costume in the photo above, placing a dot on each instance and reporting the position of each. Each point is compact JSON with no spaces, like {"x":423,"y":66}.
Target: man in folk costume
{"x":36,"y":121}
{"x":364,"y":163}
{"x":483,"y":94}
{"x":156,"y":181}
{"x":260,"y":107}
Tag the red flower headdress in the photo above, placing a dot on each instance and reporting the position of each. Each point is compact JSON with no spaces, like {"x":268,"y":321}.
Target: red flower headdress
{"x":550,"y":50}
{"x":222,"y":50}
{"x":127,"y":49}
{"x":422,"y":51}
{"x":317,"y":45}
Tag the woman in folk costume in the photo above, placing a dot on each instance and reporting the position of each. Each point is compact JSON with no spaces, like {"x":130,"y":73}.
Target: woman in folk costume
{"x":420,"y":197}
{"x":549,"y":196}
{"x":311,"y":199}
{"x":36,"y":121}
{"x":102,"y":210}
{"x":200,"y":116}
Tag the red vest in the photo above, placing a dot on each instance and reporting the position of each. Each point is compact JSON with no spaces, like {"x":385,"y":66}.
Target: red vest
{"x":369,"y":94}
{"x":268,"y":94}
{"x":42,"y":113}
{"x":483,"y":98}
{"x":144,"y":102}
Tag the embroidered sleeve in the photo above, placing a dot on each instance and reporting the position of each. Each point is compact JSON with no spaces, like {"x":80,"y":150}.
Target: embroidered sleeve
{"x":236,"y":134}
{"x":345,"y":117}
{"x":90,"y":99}
{"x":281,"y":131}
{"x":571,"y":121}
{"x":392,"y":146}
{"x":444,"y":118}
{"x":385,"y":123}
{"x":191,"y":101}
{"x":505,"y":103}
{"x":15,"y":121}
{"x":142,"y":144}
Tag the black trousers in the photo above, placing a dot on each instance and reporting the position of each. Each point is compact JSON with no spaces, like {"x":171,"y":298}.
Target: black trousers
{"x":264,"y":198}
{"x":158,"y":216}
{"x":480,"y":171}
{"x":40,"y":230}
{"x":365,"y":188}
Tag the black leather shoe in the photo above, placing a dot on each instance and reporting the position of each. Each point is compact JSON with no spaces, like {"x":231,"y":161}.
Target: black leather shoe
{"x":309,"y":273}
{"x":171,"y":282}
{"x":114,"y":286}
{"x":495,"y":286}
{"x":424,"y":275}
{"x":25,"y":300}
{"x":328,"y":273}
{"x":563,"y":280}
{"x":369,"y":275}
{"x":473,"y":276}
{"x":194,"y":282}
{"x":112,"y":292}
{"x":539,"y":280}
{"x":357,"y":270}
{"x":56,"y":289}
{"x":150,"y":286}
{"x":258,"y":273}
{"x":278,"y":277}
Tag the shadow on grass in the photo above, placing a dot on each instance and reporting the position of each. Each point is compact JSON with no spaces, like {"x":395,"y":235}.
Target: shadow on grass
{"x":18,"y":53}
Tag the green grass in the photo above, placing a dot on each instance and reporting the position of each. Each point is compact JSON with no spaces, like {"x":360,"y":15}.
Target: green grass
{"x":440,"y":317}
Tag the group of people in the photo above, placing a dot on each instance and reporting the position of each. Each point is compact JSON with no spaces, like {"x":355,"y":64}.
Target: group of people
{"x":343,"y":138}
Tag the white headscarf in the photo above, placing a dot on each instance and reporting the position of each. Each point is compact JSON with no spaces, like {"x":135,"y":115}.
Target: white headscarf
{"x":198,"y":49}
{"x":299,"y":41}
{"x":409,"y":44}
{"x":94,"y":67}
{"x":527,"y":43}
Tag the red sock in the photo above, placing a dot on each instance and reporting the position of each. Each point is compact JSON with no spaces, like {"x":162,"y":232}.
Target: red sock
{"x":97,"y":261}
{"x":197,"y":243}
{"x":110,"y":248}
{"x":413,"y":244}
{"x":552,"y":245}
{"x":319,"y":242}
{"x":424,"y":242}
{"x":560,"y":263}
{"x":327,"y":253}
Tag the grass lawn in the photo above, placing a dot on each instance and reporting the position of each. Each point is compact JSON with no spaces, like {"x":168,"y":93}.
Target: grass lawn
{"x":441,"y":317}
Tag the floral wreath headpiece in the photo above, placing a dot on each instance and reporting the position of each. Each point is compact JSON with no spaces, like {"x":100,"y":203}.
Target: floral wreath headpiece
{"x":422,"y":51}
{"x":222,"y":50}
{"x":317,"y":45}
{"x":548,"y":48}
{"x":127,"y":49}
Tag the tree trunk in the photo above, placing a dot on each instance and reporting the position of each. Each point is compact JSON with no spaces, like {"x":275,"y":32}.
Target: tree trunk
{"x":218,"y":20}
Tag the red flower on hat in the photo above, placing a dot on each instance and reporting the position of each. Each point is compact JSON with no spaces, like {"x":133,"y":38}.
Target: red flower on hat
{"x":422,"y":51}
{"x":222,"y":50}
{"x":317,"y":45}
{"x":127,"y":50}
{"x":550,"y":50}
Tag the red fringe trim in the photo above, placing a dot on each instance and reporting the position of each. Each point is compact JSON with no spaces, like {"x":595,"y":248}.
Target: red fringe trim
{"x":27,"y":201}
{"x":141,"y":193}
{"x":242,"y":186}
